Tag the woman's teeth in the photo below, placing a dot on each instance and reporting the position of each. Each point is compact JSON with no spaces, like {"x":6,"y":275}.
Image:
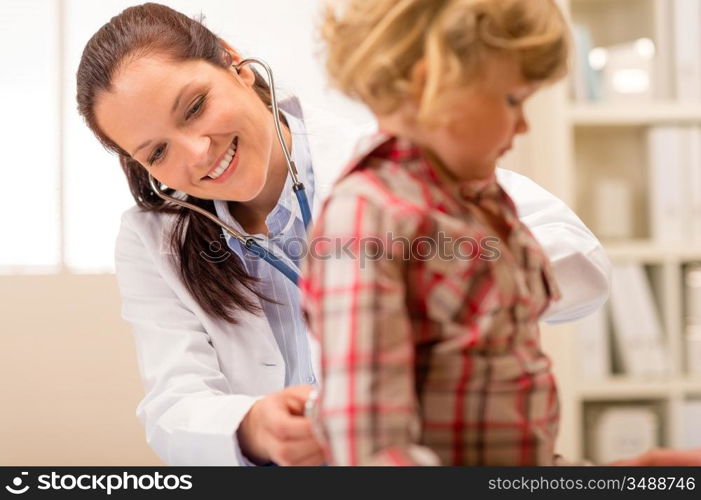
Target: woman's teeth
{"x":226,"y":160}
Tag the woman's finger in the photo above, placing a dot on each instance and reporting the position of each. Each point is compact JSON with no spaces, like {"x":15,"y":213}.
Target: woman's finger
{"x":312,"y":460}
{"x":296,"y":397}
{"x":290,"y":428}
{"x":299,"y":452}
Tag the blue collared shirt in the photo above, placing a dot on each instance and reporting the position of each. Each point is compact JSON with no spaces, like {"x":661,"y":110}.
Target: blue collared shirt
{"x":286,"y":239}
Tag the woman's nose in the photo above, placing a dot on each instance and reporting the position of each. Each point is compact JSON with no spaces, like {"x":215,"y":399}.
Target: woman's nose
{"x":196,"y":150}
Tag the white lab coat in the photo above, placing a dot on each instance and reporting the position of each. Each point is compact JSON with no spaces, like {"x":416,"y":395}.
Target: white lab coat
{"x":201,"y":375}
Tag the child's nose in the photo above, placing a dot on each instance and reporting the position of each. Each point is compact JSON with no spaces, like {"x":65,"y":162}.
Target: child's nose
{"x":521,"y":124}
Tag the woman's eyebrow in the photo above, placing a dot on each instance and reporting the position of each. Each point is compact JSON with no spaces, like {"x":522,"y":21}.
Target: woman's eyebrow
{"x":133,"y":155}
{"x":180,"y":95}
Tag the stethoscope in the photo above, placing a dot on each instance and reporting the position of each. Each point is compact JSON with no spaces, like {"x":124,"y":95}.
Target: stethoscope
{"x":248,"y":242}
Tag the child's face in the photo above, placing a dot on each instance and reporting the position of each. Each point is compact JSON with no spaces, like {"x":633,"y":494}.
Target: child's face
{"x":481,"y":121}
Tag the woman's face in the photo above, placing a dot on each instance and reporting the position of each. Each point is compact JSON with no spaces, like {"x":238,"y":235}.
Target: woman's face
{"x":183,"y":121}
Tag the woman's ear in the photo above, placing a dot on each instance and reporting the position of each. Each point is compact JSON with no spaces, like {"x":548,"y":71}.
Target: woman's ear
{"x":234,"y":58}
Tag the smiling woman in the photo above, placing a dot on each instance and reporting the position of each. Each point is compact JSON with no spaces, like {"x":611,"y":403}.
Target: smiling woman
{"x":131,"y":81}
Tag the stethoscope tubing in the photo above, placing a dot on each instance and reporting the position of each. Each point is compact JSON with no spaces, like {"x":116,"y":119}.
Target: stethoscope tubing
{"x":304,"y":206}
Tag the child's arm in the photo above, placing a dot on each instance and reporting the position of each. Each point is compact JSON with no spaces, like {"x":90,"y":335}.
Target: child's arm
{"x":356,"y":306}
{"x":582,"y":269}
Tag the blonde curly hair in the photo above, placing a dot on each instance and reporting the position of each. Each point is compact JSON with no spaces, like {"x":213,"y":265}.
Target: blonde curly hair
{"x":372,"y":46}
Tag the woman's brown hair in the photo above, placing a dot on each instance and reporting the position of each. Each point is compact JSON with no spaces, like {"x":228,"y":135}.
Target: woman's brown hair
{"x":221,"y":286}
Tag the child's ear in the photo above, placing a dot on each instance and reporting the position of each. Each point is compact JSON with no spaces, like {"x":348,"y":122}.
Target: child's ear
{"x":418,"y":81}
{"x":234,"y":58}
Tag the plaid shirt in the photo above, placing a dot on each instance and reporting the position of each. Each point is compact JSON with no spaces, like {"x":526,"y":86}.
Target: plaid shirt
{"x":430,"y":350}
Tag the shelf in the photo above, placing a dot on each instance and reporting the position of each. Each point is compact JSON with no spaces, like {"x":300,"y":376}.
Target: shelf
{"x":634,"y":114}
{"x":626,"y":388}
{"x":692,"y":387}
{"x":623,"y":388}
{"x":645,"y":251}
{"x":607,"y":141}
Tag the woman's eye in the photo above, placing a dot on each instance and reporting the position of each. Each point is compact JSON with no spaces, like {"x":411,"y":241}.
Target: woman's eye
{"x":511,"y":100}
{"x":195,"y":108}
{"x":157,"y":155}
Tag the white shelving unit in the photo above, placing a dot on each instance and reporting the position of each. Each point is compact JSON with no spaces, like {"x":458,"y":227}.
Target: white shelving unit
{"x":570,"y":147}
{"x":621,"y":115}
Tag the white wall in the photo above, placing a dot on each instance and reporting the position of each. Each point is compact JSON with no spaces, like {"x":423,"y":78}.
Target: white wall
{"x":69,"y":383}
{"x":29,"y":134}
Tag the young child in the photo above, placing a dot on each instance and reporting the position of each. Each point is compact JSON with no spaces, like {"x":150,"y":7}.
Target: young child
{"x":422,"y":285}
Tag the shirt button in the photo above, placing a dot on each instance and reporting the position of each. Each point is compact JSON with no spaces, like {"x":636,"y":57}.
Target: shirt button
{"x":311,"y":379}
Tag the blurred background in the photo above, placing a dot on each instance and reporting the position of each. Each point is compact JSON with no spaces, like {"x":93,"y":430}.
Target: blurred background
{"x":619,"y":141}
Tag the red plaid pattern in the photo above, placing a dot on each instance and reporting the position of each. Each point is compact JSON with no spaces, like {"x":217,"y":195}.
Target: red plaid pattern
{"x":428,"y":359}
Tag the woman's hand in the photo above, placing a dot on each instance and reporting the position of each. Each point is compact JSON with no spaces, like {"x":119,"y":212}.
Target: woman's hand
{"x":664,"y":456}
{"x":275,"y":429}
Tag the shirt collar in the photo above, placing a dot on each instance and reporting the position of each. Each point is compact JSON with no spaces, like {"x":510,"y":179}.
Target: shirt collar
{"x":401,"y":150}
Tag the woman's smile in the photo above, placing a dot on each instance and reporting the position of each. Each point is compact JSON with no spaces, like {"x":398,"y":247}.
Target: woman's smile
{"x":226,"y":165}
